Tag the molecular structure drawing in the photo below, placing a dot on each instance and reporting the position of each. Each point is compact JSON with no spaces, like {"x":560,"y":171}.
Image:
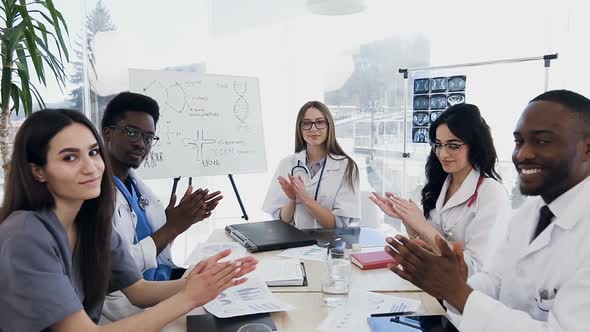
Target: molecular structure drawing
{"x":199,"y":142}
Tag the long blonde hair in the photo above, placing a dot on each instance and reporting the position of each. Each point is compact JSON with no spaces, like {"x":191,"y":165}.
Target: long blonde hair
{"x":331,"y":143}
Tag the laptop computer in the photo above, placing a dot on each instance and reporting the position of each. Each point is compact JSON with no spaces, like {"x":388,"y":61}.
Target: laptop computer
{"x":268,"y":235}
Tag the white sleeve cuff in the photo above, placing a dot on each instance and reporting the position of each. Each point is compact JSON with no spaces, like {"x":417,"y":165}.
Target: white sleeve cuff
{"x":145,"y":253}
{"x":476,"y":312}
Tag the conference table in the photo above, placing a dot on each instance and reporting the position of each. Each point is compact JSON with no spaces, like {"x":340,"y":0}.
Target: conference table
{"x":308,"y":300}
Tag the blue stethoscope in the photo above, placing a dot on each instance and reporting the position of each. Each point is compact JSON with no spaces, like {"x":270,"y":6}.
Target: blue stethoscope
{"x":317,"y":189}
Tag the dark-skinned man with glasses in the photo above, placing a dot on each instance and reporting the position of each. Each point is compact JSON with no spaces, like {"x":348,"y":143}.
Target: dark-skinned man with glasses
{"x":129,"y":131}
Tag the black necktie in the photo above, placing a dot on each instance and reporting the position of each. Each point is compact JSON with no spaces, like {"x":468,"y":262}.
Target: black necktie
{"x":544,"y":220}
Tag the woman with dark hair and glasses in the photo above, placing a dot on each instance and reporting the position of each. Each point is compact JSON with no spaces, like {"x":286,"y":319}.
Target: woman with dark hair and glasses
{"x":318,"y":185}
{"x":462,"y":199}
{"x":59,"y":255}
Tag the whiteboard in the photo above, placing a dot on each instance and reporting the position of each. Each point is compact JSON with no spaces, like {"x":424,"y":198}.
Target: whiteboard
{"x":209,"y":124}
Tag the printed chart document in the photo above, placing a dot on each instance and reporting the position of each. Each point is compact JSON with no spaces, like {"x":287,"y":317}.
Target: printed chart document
{"x":353,"y":316}
{"x":251,"y":297}
{"x":312,"y":253}
{"x":208,"y":249}
{"x":281,"y":272}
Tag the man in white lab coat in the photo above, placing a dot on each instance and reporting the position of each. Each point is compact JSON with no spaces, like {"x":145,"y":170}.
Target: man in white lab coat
{"x":145,"y":225}
{"x":539,"y":280}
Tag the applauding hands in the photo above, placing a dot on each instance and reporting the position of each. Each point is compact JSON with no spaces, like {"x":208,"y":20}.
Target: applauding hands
{"x":193,"y":207}
{"x":294,"y":188}
{"x":210,"y":277}
{"x":405,"y":210}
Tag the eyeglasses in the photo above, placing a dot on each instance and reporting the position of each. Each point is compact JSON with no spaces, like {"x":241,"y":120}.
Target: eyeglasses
{"x":319,"y":124}
{"x":449,"y":147}
{"x":134,"y":134}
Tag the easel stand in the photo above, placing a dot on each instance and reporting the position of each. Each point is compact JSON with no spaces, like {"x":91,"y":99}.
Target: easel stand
{"x":233,"y":184}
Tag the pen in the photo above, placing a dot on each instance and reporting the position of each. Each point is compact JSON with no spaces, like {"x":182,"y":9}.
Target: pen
{"x":388,"y":314}
{"x":190,"y":180}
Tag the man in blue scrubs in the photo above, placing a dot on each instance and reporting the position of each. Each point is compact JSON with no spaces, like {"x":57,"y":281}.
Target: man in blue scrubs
{"x":129,"y":131}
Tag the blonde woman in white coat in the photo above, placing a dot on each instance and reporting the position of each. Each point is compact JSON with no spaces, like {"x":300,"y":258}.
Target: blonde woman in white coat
{"x":462,"y":199}
{"x":318,"y":185}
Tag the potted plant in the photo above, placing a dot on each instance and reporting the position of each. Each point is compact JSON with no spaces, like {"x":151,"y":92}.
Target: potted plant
{"x":31,"y":40}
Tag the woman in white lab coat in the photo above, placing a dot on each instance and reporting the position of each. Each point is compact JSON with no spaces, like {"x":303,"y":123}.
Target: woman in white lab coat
{"x":318,"y":185}
{"x":462,"y":199}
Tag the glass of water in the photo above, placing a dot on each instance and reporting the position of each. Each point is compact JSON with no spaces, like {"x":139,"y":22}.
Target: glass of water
{"x":336,"y":284}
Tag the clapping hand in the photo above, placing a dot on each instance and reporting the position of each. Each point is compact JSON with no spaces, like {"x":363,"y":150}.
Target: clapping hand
{"x":210,"y":277}
{"x":407,"y":210}
{"x":288,"y":188}
{"x":193,"y":207}
{"x":442,"y":276}
{"x":385,"y":205}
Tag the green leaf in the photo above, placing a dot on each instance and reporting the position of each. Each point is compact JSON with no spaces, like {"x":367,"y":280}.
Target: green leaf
{"x":26,"y":92}
{"x":30,"y":42}
{"x":35,"y":56}
{"x":16,"y":95}
{"x":38,"y":98}
{"x":41,"y":27}
{"x":56,"y":15}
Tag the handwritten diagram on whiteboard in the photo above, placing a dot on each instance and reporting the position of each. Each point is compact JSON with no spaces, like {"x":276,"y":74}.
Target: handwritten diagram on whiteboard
{"x":209,"y":124}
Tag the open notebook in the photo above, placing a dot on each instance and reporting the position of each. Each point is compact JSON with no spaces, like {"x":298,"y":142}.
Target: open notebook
{"x":282,"y":272}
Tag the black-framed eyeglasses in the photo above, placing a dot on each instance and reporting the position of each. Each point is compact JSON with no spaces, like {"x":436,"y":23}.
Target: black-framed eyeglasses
{"x":134,"y":135}
{"x":319,"y":124}
{"x":449,"y":147}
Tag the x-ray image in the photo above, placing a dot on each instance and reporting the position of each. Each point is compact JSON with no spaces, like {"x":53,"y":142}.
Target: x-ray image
{"x":434,"y":115}
{"x":438,"y":84}
{"x":431,"y":97}
{"x":421,"y":85}
{"x":456,"y":98}
{"x":419,"y":135}
{"x":421,"y":118}
{"x":421,"y":102}
{"x":457,"y":83}
{"x":438,"y":102}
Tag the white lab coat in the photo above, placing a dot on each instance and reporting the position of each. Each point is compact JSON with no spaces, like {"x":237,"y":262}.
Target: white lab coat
{"x":144,"y":253}
{"x":335,"y":193}
{"x":471,"y":225}
{"x":506,"y":295}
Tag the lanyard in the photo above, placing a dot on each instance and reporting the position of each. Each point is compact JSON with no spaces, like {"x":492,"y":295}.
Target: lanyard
{"x":304,"y":168}
{"x":317,"y":189}
{"x":474,"y":196}
{"x":143,"y":228}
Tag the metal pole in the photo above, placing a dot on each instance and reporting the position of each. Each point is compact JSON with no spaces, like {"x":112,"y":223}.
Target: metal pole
{"x":546,"y":57}
{"x":85,"y":66}
{"x":405,"y":153}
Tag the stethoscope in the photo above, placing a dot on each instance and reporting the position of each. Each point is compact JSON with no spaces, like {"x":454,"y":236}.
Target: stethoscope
{"x":448,"y":231}
{"x":317,"y":189}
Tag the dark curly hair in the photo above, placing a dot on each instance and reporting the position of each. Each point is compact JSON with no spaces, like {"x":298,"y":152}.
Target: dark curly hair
{"x":129,"y":102}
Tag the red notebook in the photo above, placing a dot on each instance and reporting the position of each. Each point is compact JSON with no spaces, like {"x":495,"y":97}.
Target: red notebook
{"x":372,"y":260}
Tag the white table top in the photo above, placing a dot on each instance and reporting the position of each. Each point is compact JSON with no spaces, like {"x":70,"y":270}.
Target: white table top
{"x":310,"y":310}
{"x":378,"y":280}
